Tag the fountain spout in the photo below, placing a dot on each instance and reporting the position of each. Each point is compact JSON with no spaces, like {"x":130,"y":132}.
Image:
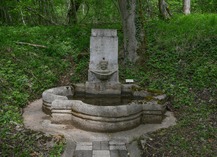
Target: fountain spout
{"x":103,"y":73}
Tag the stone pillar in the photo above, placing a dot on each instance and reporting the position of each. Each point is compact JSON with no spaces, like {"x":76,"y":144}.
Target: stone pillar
{"x":103,"y":67}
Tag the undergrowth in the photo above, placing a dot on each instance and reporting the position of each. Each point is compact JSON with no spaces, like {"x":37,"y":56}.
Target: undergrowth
{"x":25,"y":72}
{"x":181,"y":59}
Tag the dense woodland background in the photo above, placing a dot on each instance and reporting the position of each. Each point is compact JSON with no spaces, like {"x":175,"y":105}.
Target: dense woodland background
{"x":69,"y":12}
{"x":45,"y":43}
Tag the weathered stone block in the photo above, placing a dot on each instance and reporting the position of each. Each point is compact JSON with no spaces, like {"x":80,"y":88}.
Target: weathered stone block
{"x":101,"y":153}
{"x":161,"y":97}
{"x":79,"y":88}
{"x":141,"y":93}
{"x":83,"y":153}
{"x":128,"y":88}
{"x":119,"y":153}
{"x":117,"y":147}
{"x":153,"y":105}
{"x":84,"y":146}
{"x":153,"y":112}
{"x":64,"y":117}
{"x":110,"y":88}
{"x":104,"y":32}
{"x":104,"y":48}
{"x":151,"y":119}
{"x":100,"y":145}
{"x":62,"y":105}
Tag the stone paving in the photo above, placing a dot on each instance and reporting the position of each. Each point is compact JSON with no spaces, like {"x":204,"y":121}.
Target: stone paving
{"x":101,"y":149}
{"x":118,"y":144}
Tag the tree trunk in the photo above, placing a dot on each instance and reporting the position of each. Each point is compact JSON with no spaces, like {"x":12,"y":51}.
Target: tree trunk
{"x":187,"y":7}
{"x":72,"y":11}
{"x":46,"y":10}
{"x":22,"y":17}
{"x":5,"y":16}
{"x":131,"y":33}
{"x":148,"y":8}
{"x":164,"y":9}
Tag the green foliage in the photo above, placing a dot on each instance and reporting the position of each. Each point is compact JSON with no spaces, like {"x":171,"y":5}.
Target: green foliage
{"x":26,"y":71}
{"x":31,"y":12}
{"x":176,"y":7}
{"x":204,"y":6}
{"x":180,"y":57}
{"x":57,"y":149}
{"x":96,"y":11}
{"x":81,"y":70}
{"x":181,"y":60}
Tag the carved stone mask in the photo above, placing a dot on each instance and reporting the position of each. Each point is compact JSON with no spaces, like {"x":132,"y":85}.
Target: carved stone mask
{"x":103,"y":64}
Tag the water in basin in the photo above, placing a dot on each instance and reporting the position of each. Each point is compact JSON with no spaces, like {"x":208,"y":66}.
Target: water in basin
{"x":104,"y":100}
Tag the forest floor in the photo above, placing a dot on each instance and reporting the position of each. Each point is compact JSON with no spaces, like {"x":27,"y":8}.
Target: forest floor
{"x":180,"y":59}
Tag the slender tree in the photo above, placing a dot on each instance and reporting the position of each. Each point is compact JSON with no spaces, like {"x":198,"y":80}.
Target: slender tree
{"x":133,"y":33}
{"x":164,"y":9}
{"x":72,"y":11}
{"x":5,"y":11}
{"x":187,"y":7}
{"x":46,"y":14}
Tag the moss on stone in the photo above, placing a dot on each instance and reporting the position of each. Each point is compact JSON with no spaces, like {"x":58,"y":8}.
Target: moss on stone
{"x":136,"y":88}
{"x":149,"y":98}
{"x":155,"y":92}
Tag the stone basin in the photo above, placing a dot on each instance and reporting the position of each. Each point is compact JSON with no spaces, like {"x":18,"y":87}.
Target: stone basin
{"x":148,"y":107}
{"x":102,"y":74}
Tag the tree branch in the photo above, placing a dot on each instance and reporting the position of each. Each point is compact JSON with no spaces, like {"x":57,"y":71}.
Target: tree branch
{"x":30,"y":44}
{"x":45,"y":18}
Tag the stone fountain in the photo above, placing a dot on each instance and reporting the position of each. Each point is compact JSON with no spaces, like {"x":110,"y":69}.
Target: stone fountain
{"x":103,"y":104}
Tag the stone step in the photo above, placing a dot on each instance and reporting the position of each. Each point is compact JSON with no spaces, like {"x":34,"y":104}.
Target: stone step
{"x":101,"y":149}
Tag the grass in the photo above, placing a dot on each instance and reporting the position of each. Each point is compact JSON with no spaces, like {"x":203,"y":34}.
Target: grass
{"x":25,"y":72}
{"x":180,"y":59}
